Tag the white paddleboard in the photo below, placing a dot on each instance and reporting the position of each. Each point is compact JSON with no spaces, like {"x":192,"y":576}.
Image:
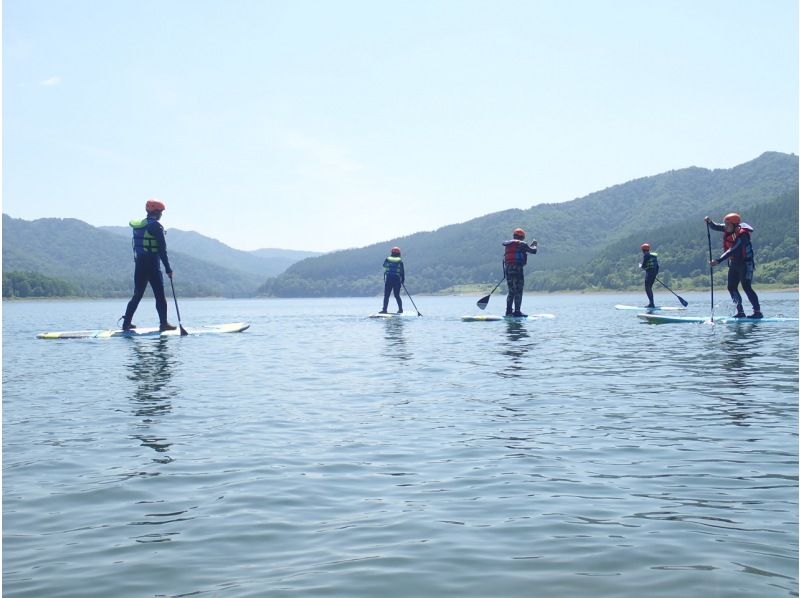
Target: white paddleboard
{"x":495,"y":318}
{"x":649,"y":309}
{"x":217,"y":329}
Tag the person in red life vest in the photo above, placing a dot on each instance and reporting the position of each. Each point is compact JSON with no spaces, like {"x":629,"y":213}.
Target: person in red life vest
{"x":394,"y":275}
{"x":149,"y":250}
{"x":738,"y":250}
{"x":650,"y":266}
{"x":514,"y":260}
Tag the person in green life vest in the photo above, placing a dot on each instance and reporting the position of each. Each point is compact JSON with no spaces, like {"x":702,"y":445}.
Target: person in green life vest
{"x":149,"y":251}
{"x":650,"y":266}
{"x":514,"y":259}
{"x":394,"y":276}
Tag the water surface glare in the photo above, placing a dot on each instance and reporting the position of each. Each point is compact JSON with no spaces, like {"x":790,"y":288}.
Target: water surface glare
{"x":321,"y":453}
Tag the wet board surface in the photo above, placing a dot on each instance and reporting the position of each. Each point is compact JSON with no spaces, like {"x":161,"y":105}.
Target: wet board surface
{"x":494,"y":318}
{"x":216,"y":329}
{"x":386,"y":316}
{"x":649,"y":309}
{"x":664,"y":319}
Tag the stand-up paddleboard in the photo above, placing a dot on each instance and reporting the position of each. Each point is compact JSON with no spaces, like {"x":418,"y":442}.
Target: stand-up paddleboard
{"x":493,"y":318}
{"x":664,"y":319}
{"x":406,"y":314}
{"x":218,"y":329}
{"x":649,"y":309}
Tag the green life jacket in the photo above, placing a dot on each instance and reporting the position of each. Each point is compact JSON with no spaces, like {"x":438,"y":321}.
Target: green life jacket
{"x":650,"y":261}
{"x":392,"y":265}
{"x":143,"y":242}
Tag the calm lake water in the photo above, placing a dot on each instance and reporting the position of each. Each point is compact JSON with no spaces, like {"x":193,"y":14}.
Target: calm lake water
{"x":321,"y":453}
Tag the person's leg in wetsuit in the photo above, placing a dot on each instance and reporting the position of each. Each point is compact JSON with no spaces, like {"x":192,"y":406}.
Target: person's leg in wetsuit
{"x":515,"y":280}
{"x":141,"y":276}
{"x":649,"y":279}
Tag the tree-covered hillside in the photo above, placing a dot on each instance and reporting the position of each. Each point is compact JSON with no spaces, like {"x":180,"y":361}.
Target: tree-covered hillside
{"x":261,"y":262}
{"x":682,"y":249}
{"x":589,"y":242}
{"x":75,"y":258}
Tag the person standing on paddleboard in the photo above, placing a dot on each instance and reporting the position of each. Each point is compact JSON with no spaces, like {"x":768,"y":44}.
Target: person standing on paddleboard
{"x":394,"y":275}
{"x":738,"y":250}
{"x":650,"y":266}
{"x":514,"y":260}
{"x":149,"y":250}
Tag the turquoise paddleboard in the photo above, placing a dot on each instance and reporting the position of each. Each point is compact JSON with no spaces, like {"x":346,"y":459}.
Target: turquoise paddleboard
{"x":663,"y":319}
{"x":657,"y":308}
{"x":217,"y":329}
{"x":494,"y":318}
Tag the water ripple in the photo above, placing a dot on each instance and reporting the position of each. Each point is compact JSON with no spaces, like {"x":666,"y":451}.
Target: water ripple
{"x":323,"y":453}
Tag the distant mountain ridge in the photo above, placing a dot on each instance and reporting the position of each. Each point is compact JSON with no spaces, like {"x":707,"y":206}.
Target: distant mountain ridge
{"x":587,"y":243}
{"x":98,"y":261}
{"x":572,"y":235}
{"x":261,"y":262}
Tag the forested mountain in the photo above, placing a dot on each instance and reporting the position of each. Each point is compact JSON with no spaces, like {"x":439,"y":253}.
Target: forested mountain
{"x":261,"y":262}
{"x":590,"y":242}
{"x":58,"y":257}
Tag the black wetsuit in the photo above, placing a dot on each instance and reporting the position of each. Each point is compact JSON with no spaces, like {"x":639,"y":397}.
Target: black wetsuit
{"x":650,"y":267}
{"x":393,"y":278}
{"x":741,"y":264}
{"x":150,"y":249}
{"x":514,"y":260}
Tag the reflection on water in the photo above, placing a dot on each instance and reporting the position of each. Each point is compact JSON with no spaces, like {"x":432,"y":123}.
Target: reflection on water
{"x":739,"y":349}
{"x":150,"y":369}
{"x":396,"y":346}
{"x":515,"y":349}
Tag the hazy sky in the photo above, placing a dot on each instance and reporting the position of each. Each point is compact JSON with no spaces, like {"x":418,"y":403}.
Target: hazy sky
{"x":327,"y":124}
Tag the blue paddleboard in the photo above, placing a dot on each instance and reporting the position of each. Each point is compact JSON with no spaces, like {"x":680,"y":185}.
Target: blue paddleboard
{"x":663,"y":319}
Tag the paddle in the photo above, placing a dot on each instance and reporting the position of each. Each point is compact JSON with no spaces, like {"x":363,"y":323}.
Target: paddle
{"x":484,"y":301}
{"x":177,"y":311}
{"x":710,"y":268}
{"x":681,"y":299}
{"x":410,"y":297}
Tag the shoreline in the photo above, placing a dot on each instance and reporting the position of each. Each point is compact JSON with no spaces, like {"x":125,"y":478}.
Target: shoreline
{"x":766,"y":289}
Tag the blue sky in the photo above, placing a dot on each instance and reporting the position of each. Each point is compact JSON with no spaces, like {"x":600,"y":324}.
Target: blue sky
{"x":327,"y":124}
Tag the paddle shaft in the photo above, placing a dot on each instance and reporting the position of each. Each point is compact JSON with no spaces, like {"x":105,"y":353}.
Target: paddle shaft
{"x":177,"y":311}
{"x":410,"y":297}
{"x":484,"y":301}
{"x":497,"y":285}
{"x":681,"y":299}
{"x":710,"y":268}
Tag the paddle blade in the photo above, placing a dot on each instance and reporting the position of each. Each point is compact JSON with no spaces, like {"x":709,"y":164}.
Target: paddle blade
{"x":683,"y":301}
{"x":483,"y":302}
{"x":183,"y":331}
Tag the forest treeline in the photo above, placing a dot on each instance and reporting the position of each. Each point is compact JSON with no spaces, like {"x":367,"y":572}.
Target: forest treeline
{"x":58,"y":257}
{"x":590,"y":243}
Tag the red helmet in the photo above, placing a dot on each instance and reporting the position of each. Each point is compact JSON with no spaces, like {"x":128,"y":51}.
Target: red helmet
{"x":395,"y":251}
{"x":153,"y":205}
{"x":645,"y":246}
{"x":519,"y":233}
{"x":733,"y":218}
